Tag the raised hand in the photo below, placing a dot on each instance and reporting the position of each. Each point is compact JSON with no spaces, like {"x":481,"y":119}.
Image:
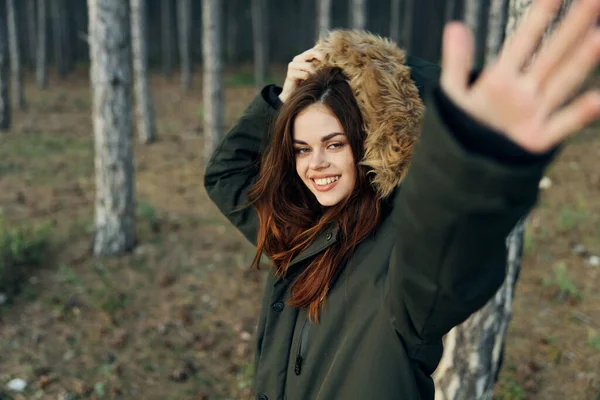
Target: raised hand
{"x":299,"y":69}
{"x":523,"y":100}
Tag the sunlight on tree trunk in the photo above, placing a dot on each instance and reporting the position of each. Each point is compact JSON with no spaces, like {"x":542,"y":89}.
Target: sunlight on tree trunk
{"x":110,"y":74}
{"x":359,"y":14}
{"x":324,"y":17}
{"x":15,"y":56}
{"x":143,"y":94}
{"x":41,"y":45}
{"x":212,"y":84}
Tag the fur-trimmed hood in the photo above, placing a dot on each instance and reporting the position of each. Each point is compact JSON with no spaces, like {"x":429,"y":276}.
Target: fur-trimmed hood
{"x":388,"y":99}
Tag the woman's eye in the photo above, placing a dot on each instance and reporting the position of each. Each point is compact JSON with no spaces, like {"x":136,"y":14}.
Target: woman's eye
{"x":301,"y":150}
{"x":335,"y":145}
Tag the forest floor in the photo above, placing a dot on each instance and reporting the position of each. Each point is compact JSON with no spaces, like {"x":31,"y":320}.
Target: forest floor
{"x":176,"y":318}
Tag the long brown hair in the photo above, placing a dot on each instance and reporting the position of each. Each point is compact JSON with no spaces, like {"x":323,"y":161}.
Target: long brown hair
{"x":290,"y":216}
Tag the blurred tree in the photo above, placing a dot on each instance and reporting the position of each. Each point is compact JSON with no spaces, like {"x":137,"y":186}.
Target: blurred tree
{"x":56,"y":11}
{"x":5,"y":108}
{"x":15,"y":55}
{"x":324,"y":17}
{"x":260,"y":41}
{"x":167,"y":34}
{"x":213,"y":81}
{"x":184,"y":18}
{"x":476,"y":12}
{"x":110,"y":73}
{"x":31,"y":33}
{"x":233,"y":11}
{"x":474,"y":350}
{"x":143,"y":94}
{"x":41,"y":44}
{"x":409,"y":16}
{"x":497,"y":27}
{"x":395,"y":20}
{"x":358,"y":14}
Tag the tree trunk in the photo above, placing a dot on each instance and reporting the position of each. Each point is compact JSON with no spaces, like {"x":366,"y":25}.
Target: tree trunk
{"x":167,"y":43}
{"x":184,"y":15}
{"x":15,"y":55}
{"x":212,"y":65}
{"x":476,"y":12}
{"x":474,"y":350}
{"x":407,"y":30}
{"x":260,"y":37}
{"x":324,"y":16}
{"x":59,"y":60}
{"x":232,"y":10}
{"x":66,"y":44}
{"x":5,"y":109}
{"x":41,"y":44}
{"x":450,"y":11}
{"x":359,"y":14}
{"x":31,"y":33}
{"x":395,"y":20}
{"x":497,"y":26}
{"x":143,"y":94}
{"x":110,"y":74}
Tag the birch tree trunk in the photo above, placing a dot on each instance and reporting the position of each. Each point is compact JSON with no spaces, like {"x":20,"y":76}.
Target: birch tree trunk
{"x":496,"y":28}
{"x":167,"y":49}
{"x":31,"y":34}
{"x":41,"y":44}
{"x":15,"y":55}
{"x":5,"y":109}
{"x":212,"y":65}
{"x":474,"y":350}
{"x":359,"y":14}
{"x":259,"y":36}
{"x":407,"y":29}
{"x":324,"y":17}
{"x":110,"y":74}
{"x":184,"y":16}
{"x":476,"y":12}
{"x":395,"y":20}
{"x":143,"y":94}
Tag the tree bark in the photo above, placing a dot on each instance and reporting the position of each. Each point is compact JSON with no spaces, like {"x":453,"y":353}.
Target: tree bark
{"x":5,"y":109}
{"x":31,"y":33}
{"x":41,"y":44}
{"x":143,"y":94}
{"x":324,"y":17}
{"x":167,"y":43}
{"x":110,"y":74}
{"x":59,"y":60}
{"x":232,"y":12}
{"x":359,"y":14}
{"x":474,"y":350}
{"x":15,"y":55}
{"x":497,"y":26}
{"x":407,"y":30}
{"x":212,"y":65}
{"x":476,"y":12}
{"x":260,"y":37}
{"x":395,"y":20}
{"x":184,"y":15}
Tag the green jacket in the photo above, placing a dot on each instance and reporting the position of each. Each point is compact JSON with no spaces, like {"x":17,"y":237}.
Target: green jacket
{"x":436,"y":257}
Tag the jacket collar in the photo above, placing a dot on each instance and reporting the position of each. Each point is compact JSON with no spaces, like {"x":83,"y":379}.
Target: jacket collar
{"x":325,"y":238}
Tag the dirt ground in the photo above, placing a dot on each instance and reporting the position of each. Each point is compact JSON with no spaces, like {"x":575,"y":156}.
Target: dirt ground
{"x":176,"y":318}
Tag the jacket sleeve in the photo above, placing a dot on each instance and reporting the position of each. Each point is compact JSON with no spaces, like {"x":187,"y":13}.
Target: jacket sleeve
{"x":234,"y":165}
{"x":452,"y":212}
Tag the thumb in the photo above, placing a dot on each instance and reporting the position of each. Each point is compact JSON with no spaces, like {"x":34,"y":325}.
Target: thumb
{"x":457,"y":58}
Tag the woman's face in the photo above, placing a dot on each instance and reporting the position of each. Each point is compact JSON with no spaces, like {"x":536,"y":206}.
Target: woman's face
{"x":324,"y":159}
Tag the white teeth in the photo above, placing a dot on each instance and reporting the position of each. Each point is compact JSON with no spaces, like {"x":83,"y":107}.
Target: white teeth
{"x":326,"y":181}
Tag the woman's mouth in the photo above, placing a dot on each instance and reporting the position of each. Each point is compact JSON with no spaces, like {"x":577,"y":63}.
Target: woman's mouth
{"x":325,"y":184}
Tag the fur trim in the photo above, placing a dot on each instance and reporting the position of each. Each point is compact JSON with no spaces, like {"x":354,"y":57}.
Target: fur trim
{"x":387,"y":97}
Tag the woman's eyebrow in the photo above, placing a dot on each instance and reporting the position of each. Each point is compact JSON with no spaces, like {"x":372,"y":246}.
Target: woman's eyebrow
{"x":323,"y":139}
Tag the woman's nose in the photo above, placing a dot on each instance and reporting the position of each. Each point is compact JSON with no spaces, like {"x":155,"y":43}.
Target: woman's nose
{"x":318,"y":160}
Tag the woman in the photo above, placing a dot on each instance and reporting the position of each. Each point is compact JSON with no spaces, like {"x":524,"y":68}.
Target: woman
{"x":375,"y":262}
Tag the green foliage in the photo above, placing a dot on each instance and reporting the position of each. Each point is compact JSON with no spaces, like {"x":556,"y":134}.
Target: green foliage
{"x":566,"y":287}
{"x":147,"y":217}
{"x":594,"y":340}
{"x":570,"y":217}
{"x":21,"y":249}
{"x":509,"y":389}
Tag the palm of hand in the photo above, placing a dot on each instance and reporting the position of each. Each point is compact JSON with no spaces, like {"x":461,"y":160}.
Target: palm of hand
{"x":525,"y":104}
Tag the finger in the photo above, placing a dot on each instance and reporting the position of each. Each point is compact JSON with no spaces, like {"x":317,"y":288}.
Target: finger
{"x":457,"y":57}
{"x":573,"y":72}
{"x":303,"y":66}
{"x":565,"y":39}
{"x":577,"y":115}
{"x":299,"y":75}
{"x":310,"y":54}
{"x":521,"y":44}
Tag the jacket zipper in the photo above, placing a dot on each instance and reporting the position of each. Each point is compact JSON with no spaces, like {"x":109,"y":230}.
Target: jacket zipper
{"x":301,"y":345}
